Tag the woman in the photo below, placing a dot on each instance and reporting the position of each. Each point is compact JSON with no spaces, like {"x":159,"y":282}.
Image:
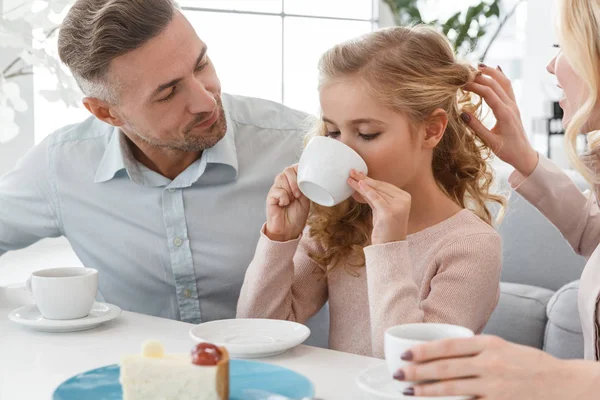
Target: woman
{"x":488,"y":367}
{"x":414,"y":243}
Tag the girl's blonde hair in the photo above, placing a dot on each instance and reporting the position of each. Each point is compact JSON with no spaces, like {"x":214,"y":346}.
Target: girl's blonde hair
{"x":413,"y":71}
{"x":579,"y":37}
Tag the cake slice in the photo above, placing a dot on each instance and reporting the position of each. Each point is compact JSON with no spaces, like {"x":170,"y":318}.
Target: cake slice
{"x":154,"y":375}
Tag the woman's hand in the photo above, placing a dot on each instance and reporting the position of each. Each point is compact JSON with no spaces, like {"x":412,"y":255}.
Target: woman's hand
{"x":390,"y":205}
{"x":507,"y":138}
{"x":492,"y":369}
{"x":287,"y":207}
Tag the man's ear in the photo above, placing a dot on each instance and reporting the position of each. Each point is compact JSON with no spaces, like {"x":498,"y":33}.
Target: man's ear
{"x":435,"y":126}
{"x":102,"y":110}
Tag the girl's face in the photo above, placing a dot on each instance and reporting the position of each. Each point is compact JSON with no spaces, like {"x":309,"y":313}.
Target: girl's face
{"x":393,"y":152}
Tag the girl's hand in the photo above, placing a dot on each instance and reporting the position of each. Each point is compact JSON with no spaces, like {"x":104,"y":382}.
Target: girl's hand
{"x":287,"y":207}
{"x":390,"y":205}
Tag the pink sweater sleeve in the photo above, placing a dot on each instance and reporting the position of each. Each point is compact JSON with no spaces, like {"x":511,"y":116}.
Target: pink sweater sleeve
{"x":283,"y":282}
{"x":551,"y":191}
{"x":464,"y":291}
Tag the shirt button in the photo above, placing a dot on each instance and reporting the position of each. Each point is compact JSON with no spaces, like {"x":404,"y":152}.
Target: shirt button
{"x":177,"y":241}
{"x":187,"y":293}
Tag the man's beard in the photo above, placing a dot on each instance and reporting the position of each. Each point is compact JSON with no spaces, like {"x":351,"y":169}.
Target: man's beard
{"x":192,"y":141}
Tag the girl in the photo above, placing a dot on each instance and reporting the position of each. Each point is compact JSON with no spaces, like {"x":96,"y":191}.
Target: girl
{"x":414,"y":243}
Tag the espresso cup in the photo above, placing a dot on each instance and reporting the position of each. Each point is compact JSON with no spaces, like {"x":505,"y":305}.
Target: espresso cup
{"x":401,"y":338}
{"x":64,"y":293}
{"x":324,"y":169}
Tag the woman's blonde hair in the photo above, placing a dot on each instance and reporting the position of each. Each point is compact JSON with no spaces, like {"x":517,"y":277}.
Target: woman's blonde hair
{"x":413,"y":71}
{"x":579,"y":37}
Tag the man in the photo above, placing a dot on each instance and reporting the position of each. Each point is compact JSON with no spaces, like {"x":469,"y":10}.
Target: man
{"x":163,"y":189}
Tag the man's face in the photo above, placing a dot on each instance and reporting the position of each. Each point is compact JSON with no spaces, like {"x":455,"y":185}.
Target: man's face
{"x":170,"y":95}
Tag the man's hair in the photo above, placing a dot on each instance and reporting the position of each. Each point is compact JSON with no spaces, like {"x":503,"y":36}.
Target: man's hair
{"x":95,"y":32}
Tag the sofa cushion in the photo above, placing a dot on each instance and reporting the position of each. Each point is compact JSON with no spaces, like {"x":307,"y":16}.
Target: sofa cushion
{"x":564,"y":338}
{"x":319,"y":328}
{"x":520,"y":316}
{"x":533,"y":250}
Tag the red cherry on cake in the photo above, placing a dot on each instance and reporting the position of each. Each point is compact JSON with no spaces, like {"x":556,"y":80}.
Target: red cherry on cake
{"x":206,"y":354}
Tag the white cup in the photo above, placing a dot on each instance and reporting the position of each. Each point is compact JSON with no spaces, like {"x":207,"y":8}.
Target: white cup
{"x":324,"y":169}
{"x":64,"y":293}
{"x":401,"y":338}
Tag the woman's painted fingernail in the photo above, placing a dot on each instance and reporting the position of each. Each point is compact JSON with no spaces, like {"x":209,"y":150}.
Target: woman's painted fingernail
{"x":399,"y":375}
{"x":465,"y":117}
{"x":407,"y":356}
{"x":500,"y":69}
{"x":409,"y":391}
{"x":482,"y":65}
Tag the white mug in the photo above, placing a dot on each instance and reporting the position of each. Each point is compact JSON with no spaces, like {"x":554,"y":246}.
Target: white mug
{"x":401,"y":338}
{"x":64,"y":293}
{"x":324,"y":168}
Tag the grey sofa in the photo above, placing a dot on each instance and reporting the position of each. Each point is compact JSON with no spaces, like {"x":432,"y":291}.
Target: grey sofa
{"x":540,"y":279}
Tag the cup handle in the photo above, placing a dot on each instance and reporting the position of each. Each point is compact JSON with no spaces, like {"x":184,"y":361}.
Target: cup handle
{"x":28,"y":285}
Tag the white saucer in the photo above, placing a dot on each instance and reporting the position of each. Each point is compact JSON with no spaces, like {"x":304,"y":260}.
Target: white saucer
{"x":378,"y":384}
{"x":31,"y":317}
{"x":251,"y":338}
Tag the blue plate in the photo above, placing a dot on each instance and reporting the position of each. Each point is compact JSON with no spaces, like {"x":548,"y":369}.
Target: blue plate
{"x":103,"y":383}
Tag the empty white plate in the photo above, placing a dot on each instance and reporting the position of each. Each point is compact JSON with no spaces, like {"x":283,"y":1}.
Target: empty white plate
{"x":251,"y":338}
{"x":378,"y":384}
{"x":31,"y":317}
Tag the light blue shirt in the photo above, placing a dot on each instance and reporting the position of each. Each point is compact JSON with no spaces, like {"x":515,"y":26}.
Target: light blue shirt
{"x":171,"y":248}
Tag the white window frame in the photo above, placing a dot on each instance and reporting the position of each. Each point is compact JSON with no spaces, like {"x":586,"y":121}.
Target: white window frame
{"x":374,"y":20}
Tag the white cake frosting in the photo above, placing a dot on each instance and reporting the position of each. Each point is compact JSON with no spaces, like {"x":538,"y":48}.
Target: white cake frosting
{"x":154,"y":375}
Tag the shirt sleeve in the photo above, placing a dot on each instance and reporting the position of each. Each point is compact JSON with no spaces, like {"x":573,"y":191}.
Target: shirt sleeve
{"x":554,"y":194}
{"x":28,"y":210}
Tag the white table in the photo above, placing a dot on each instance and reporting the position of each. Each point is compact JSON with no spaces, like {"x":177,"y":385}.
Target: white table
{"x":33,"y":364}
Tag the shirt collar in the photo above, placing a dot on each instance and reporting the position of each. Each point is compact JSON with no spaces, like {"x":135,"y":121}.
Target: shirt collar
{"x":118,"y":157}
{"x":113,"y":159}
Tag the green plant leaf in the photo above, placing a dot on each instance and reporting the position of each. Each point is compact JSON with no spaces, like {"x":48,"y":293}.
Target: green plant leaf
{"x":464,"y":28}
{"x":494,"y":10}
{"x":450,"y":23}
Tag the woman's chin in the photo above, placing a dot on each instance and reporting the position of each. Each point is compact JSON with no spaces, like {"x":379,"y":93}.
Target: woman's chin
{"x":359,"y":198}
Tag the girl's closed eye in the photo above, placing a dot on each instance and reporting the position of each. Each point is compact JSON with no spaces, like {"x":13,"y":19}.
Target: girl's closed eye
{"x":369,"y":136}
{"x":364,"y":136}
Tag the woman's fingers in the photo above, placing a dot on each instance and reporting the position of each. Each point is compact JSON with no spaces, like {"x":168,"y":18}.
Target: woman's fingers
{"x":493,"y":140}
{"x":453,"y":368}
{"x":448,"y":348}
{"x":498,"y":75}
{"x":500,"y":108}
{"x":496,"y":87}
{"x":458,"y":387}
